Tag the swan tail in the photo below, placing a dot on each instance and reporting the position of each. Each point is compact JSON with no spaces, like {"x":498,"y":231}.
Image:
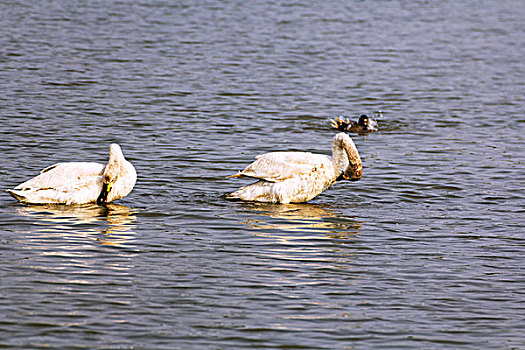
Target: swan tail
{"x":18,"y":195}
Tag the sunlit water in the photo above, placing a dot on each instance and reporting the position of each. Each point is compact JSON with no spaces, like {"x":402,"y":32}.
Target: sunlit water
{"x":426,"y":251}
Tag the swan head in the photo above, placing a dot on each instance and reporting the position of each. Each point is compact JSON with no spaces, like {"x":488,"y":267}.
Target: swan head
{"x":111,"y":172}
{"x":347,"y":157}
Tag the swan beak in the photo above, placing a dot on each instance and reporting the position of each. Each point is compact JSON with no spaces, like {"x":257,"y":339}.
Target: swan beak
{"x":103,"y":197}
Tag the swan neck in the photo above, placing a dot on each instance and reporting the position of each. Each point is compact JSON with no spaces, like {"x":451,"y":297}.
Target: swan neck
{"x":345,"y":158}
{"x":115,"y":164}
{"x":339,"y":158}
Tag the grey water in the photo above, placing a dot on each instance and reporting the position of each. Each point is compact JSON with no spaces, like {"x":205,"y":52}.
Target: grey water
{"x":426,"y":251}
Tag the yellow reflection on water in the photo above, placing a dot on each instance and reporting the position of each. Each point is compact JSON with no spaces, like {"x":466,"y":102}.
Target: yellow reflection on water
{"x":309,"y":238}
{"x":77,"y":246}
{"x":303,"y":218}
{"x":112,"y":224}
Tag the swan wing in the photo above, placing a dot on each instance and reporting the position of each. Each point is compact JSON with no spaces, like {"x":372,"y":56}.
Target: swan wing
{"x":281,"y":166}
{"x":65,"y":177}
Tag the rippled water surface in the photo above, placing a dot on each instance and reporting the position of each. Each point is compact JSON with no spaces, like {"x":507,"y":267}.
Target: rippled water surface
{"x":426,"y":251}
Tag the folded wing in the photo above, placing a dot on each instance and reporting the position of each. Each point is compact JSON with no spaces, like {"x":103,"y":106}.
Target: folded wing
{"x":65,"y":177}
{"x":281,"y":166}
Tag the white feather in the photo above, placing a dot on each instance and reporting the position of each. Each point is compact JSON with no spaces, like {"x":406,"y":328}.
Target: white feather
{"x":79,"y":182}
{"x":295,"y":177}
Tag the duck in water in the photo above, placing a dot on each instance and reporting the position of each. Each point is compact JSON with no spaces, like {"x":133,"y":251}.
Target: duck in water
{"x":363,"y":125}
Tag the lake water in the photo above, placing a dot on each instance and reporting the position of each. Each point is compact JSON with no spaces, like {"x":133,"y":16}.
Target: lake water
{"x":426,"y":251}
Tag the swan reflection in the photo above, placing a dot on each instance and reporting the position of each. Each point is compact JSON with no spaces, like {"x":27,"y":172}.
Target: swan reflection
{"x":305,"y":218}
{"x":112,"y":224}
{"x":314,"y":235}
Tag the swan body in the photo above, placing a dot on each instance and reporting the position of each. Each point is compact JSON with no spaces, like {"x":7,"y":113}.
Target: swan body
{"x":80,"y":182}
{"x":296,"y":177}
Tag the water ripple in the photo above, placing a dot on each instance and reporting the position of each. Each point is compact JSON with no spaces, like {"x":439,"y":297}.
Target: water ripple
{"x":425,"y":251}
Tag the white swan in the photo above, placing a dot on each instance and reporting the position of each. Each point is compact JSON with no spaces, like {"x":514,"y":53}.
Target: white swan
{"x":80,"y":182}
{"x":295,"y":177}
